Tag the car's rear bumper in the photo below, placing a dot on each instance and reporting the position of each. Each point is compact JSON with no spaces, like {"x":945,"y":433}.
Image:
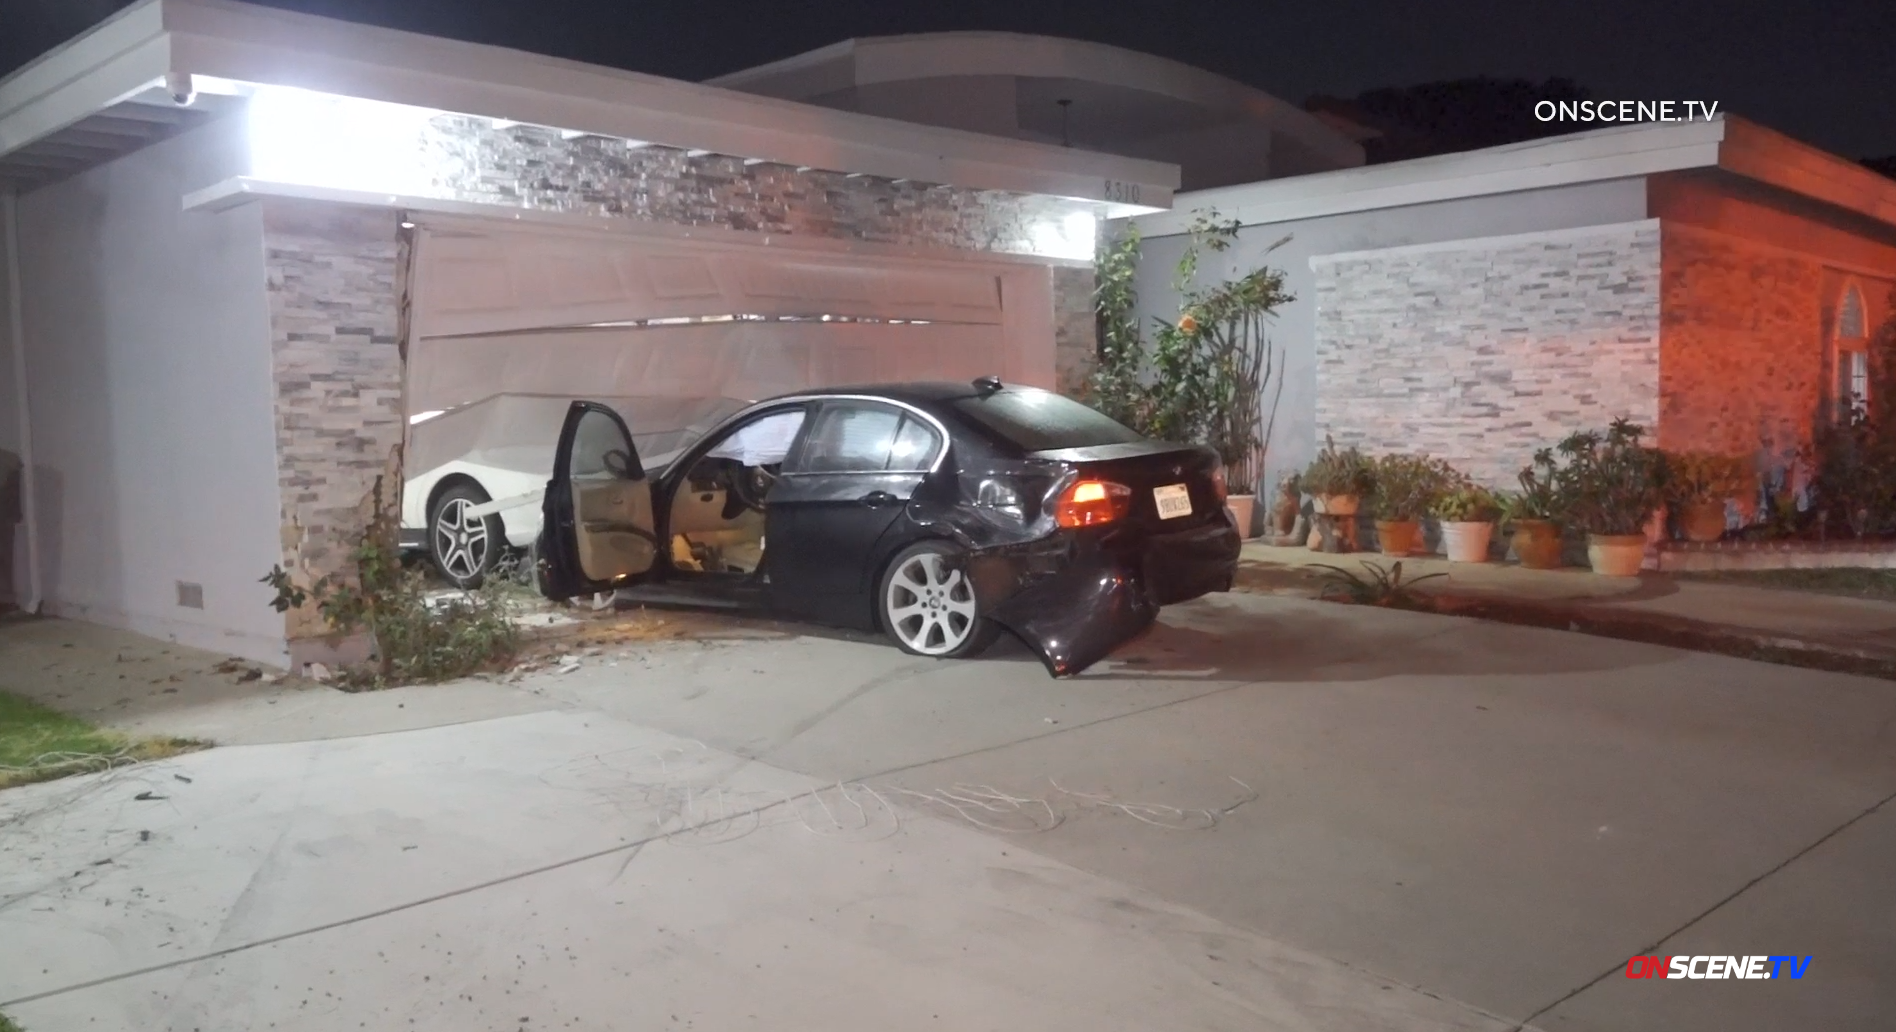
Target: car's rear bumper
{"x":1180,"y":567}
{"x":1106,"y":588}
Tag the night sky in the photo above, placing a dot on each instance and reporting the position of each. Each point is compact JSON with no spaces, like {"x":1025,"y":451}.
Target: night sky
{"x":1821,"y":70}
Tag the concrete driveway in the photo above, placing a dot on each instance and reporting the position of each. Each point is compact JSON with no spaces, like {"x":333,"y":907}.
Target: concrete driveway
{"x":1268,"y":813}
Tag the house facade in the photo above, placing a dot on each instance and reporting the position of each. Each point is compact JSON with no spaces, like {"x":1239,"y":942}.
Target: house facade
{"x":1715,"y":281}
{"x":245,"y":248}
{"x":1066,"y":92}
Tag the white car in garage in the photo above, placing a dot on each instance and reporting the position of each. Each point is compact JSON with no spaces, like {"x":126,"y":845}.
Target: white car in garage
{"x":477,"y":472}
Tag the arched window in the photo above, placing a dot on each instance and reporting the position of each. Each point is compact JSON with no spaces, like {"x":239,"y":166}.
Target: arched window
{"x":1850,"y":320}
{"x":1853,"y":354}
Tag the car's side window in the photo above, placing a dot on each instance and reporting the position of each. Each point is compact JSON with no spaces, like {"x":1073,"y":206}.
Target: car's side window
{"x":764,"y":441}
{"x":915,"y":446}
{"x":600,"y":450}
{"x":867,"y":438}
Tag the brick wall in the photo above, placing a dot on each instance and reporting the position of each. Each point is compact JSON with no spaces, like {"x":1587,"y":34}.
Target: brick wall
{"x":532,"y":167}
{"x":1742,"y":368}
{"x":332,"y":275}
{"x":1075,"y":327}
{"x":1482,"y":351}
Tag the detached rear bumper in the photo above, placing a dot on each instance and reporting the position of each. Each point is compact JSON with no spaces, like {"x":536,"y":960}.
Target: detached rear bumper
{"x":1083,"y":595}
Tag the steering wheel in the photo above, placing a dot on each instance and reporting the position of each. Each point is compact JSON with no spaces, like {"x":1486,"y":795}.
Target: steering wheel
{"x":752,"y":485}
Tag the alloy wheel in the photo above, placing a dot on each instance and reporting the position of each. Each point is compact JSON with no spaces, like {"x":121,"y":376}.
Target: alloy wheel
{"x":929,"y":606}
{"x":461,"y":539}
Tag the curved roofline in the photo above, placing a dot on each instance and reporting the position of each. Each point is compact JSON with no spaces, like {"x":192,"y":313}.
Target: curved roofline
{"x":924,"y":55}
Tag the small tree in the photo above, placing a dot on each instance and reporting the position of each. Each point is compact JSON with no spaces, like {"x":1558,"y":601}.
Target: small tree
{"x":1206,"y":375}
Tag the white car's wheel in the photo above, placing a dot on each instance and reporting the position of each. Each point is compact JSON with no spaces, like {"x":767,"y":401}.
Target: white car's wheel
{"x":464,"y":547}
{"x":928,"y":605}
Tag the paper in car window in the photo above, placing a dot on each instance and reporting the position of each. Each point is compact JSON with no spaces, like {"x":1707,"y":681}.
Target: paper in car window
{"x":763,"y":443}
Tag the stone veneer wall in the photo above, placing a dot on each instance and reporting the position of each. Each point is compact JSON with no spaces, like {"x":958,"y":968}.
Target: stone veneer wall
{"x":534,"y":167}
{"x":1075,"y":327}
{"x":333,"y":276}
{"x":1482,"y":351}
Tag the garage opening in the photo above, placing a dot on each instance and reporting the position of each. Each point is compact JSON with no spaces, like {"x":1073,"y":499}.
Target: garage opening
{"x":510,"y":324}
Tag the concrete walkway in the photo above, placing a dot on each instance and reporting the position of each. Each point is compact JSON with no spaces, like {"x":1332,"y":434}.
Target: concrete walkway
{"x":1266,"y":814}
{"x":575,"y":871}
{"x":1791,"y":619}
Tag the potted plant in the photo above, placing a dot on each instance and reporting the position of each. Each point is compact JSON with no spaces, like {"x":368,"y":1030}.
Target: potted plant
{"x":1530,"y":513}
{"x":1467,"y":512}
{"x":1289,"y":504}
{"x":1337,"y":479}
{"x":1700,"y":484}
{"x":1611,"y":486}
{"x":1405,"y":486}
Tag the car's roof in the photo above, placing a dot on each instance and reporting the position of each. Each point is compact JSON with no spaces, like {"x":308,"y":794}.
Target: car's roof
{"x":919,"y":392}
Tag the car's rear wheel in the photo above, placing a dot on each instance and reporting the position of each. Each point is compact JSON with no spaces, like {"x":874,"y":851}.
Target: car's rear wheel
{"x":928,"y":605}
{"x":464,"y":547}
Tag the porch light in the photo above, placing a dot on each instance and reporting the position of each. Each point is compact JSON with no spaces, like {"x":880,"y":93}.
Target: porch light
{"x":347,"y":143}
{"x":1072,"y":236}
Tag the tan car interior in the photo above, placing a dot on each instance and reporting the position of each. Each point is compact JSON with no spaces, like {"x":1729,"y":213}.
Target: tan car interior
{"x":703,"y":537}
{"x":613,"y":514}
{"x":717,"y":517}
{"x":613,"y":510}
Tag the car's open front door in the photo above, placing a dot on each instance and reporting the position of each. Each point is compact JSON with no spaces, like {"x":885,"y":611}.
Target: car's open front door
{"x":599,"y":532}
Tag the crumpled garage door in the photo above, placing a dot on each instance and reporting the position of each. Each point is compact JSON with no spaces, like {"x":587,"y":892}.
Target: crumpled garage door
{"x":500,"y":309}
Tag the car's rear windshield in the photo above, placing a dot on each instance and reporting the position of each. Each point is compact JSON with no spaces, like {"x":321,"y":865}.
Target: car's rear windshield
{"x":1043,"y":421}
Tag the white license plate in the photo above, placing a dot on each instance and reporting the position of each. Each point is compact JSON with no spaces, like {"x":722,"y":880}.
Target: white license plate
{"x":1173,"y":501}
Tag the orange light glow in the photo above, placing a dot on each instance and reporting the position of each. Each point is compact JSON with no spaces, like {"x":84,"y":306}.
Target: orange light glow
{"x":1089,"y":503}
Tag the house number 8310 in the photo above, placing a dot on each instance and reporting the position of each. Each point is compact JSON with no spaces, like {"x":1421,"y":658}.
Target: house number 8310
{"x":1122,"y":193}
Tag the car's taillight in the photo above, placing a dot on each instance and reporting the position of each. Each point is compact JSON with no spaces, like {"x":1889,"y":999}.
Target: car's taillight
{"x":1089,"y":503}
{"x":1218,"y":488}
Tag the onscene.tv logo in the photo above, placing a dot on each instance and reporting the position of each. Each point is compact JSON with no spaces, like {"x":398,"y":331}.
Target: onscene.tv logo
{"x":1717,"y":967}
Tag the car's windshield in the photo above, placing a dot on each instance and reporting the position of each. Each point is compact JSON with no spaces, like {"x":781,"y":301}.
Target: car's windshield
{"x":1043,"y":421}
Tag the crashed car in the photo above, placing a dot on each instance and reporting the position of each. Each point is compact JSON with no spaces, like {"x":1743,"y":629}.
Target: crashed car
{"x":939,"y":514}
{"x":480,"y":468}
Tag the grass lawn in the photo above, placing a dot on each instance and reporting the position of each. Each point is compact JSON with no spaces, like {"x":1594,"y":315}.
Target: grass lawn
{"x":6,"y":1025}
{"x":39,"y":744}
{"x":1856,"y":582}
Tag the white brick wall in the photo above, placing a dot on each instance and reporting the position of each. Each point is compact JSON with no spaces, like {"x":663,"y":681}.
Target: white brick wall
{"x":1481,"y":351}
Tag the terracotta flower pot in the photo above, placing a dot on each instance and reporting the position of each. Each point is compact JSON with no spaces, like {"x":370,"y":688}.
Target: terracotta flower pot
{"x":1242,"y":508}
{"x":1336,"y":505}
{"x":1703,"y":521}
{"x":1537,"y":544}
{"x":1466,"y":541}
{"x":1397,"y":537}
{"x":1616,"y":555}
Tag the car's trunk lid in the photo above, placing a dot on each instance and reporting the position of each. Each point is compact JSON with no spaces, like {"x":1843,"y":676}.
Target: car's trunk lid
{"x":1147,"y":467}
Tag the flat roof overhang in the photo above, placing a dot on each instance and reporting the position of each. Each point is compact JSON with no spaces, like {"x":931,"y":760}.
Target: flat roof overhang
{"x":1728,"y":144}
{"x":91,"y":87}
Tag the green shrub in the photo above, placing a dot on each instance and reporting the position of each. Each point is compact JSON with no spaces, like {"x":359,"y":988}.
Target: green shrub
{"x":419,"y":636}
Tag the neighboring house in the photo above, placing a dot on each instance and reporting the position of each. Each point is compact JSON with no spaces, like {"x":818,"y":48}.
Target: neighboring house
{"x":1064,"y":91}
{"x":246,"y":247}
{"x":1715,"y":281}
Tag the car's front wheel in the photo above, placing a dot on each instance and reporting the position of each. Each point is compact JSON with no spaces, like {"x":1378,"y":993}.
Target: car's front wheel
{"x":464,"y":547}
{"x":928,"y":605}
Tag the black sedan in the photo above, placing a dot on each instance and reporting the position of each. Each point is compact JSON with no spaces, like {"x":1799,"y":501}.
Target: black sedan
{"x":937,"y":513}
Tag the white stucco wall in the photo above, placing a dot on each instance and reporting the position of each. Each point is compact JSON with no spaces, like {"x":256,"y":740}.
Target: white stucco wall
{"x":148,"y":349}
{"x":13,"y":548}
{"x":1295,"y":439}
